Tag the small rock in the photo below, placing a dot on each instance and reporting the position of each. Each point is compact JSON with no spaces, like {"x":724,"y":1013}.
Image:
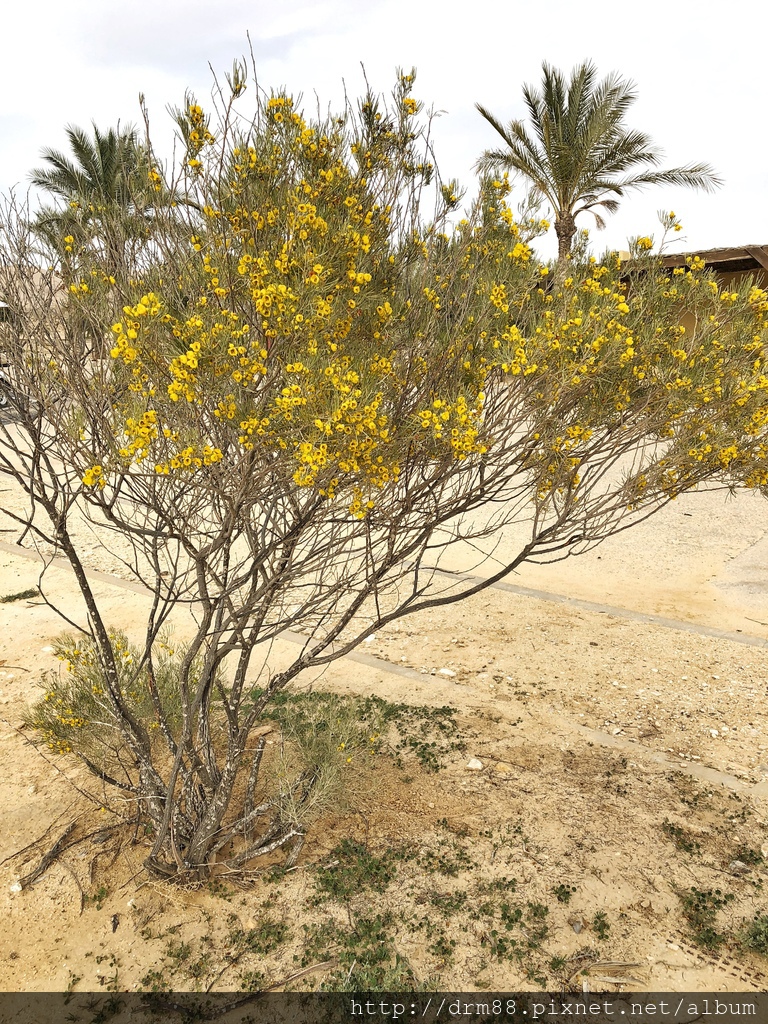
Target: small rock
{"x":32,"y":789}
{"x":16,"y":887}
{"x":714,"y":733}
{"x":673,"y":945}
{"x":577,"y":923}
{"x":503,"y":769}
{"x":738,"y":867}
{"x":447,"y":672}
{"x":764,"y":851}
{"x":474,"y":765}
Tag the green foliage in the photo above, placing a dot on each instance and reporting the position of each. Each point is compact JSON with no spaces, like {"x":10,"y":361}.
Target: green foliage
{"x":700,"y":909}
{"x":77,"y":714}
{"x":21,"y":596}
{"x":365,"y":951}
{"x":98,"y":896}
{"x":353,"y":870}
{"x":264,"y":938}
{"x":443,"y":949}
{"x":680,"y":837}
{"x":601,"y":926}
{"x":428,"y":733}
{"x":754,"y":934}
{"x":450,"y":903}
{"x":563,"y":892}
{"x":749,"y":855}
{"x":449,"y":858}
{"x":104,"y":194}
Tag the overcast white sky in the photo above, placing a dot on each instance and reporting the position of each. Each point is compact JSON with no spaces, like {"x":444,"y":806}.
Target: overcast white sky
{"x":699,"y":70}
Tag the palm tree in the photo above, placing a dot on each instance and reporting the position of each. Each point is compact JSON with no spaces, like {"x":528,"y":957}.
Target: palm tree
{"x":103,"y":171}
{"x":581,"y":155}
{"x":104,"y":192}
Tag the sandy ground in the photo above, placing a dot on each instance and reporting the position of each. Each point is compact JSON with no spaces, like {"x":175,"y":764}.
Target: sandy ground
{"x":603,"y":696}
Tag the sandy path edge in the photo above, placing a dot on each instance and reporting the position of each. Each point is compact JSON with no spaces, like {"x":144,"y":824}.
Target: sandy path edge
{"x":564,"y":726}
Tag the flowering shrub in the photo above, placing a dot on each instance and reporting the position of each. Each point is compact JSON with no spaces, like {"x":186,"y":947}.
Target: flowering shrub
{"x":307,"y":389}
{"x":76,"y":714}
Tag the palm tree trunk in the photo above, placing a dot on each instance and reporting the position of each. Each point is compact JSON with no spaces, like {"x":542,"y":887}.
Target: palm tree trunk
{"x":565,"y":229}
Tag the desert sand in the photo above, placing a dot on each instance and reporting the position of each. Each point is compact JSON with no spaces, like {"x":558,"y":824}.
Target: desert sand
{"x":607,"y":698}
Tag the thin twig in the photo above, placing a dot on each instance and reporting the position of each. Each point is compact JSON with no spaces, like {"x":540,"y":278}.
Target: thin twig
{"x":18,"y":853}
{"x":326,"y":965}
{"x":48,"y":858}
{"x":77,"y":883}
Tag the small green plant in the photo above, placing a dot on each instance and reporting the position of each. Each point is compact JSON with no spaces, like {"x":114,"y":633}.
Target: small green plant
{"x":252,"y":981}
{"x":178,"y":952}
{"x":563,"y":893}
{"x":265,"y":937}
{"x":680,"y":837}
{"x":700,"y":909}
{"x":98,"y":896}
{"x":354,"y":869}
{"x":558,"y":964}
{"x":491,"y":886}
{"x":112,"y":982}
{"x":754,"y":935}
{"x":443,"y":948}
{"x":72,"y":982}
{"x":427,"y":733}
{"x":448,"y":859}
{"x":536,"y":927}
{"x":501,"y":946}
{"x":218,"y":888}
{"x":601,"y":926}
{"x":155,"y":981}
{"x":21,"y":596}
{"x":199,"y":967}
{"x":449,"y":903}
{"x":75,"y":715}
{"x":750,"y":856}
{"x":365,"y":953}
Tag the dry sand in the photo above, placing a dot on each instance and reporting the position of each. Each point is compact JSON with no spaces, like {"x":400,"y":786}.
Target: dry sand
{"x":603,"y":696}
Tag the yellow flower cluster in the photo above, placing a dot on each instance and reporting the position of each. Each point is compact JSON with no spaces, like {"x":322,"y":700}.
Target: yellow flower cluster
{"x":94,"y":477}
{"x":317,"y":330}
{"x":140,"y":433}
{"x":198,"y":135}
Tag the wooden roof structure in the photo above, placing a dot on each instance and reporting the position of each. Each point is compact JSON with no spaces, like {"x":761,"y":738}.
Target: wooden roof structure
{"x":747,"y":258}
